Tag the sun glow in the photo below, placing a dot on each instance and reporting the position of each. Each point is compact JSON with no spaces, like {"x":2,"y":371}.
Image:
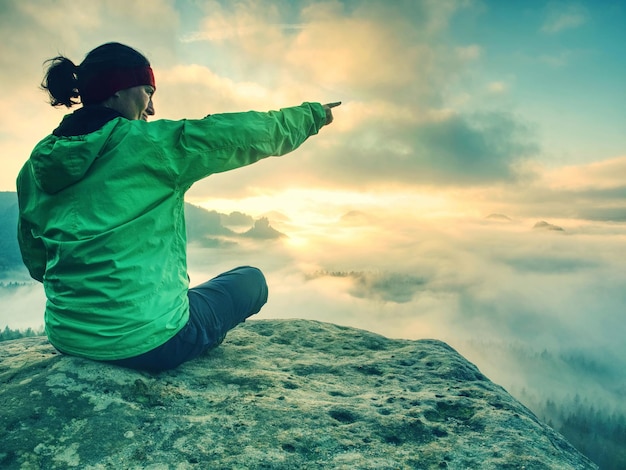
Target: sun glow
{"x":319,"y":207}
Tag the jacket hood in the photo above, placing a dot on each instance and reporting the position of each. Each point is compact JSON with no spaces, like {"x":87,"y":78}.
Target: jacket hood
{"x":65,"y":156}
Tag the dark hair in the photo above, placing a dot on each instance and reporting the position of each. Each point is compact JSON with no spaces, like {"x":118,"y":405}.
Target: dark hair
{"x":64,"y":80}
{"x":61,"y":81}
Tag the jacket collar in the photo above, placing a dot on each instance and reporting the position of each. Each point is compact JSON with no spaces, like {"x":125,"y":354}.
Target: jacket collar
{"x":85,"y":121}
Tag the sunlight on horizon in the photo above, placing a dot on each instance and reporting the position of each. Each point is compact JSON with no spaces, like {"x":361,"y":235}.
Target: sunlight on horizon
{"x":316,"y":206}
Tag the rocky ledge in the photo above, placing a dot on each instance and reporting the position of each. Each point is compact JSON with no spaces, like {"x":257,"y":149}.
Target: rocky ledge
{"x":279,"y":394}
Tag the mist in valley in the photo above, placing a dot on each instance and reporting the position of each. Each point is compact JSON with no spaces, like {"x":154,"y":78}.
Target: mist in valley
{"x":540,"y":312}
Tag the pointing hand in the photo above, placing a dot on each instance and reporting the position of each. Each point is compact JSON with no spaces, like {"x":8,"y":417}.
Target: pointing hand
{"x":328,"y":108}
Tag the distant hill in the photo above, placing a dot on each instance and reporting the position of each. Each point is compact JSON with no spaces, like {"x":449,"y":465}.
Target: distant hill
{"x":202,"y":223}
{"x":543,"y":225}
{"x":263,"y":230}
{"x":500,"y":217}
{"x":236,"y":218}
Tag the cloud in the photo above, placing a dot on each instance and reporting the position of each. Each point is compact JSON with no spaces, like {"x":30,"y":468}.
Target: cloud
{"x":561,"y":16}
{"x":463,"y":280}
{"x":383,"y":151}
{"x":365,"y":49}
{"x":497,"y":87}
{"x":453,"y":279}
{"x":545,"y":263}
{"x":205,"y":92}
{"x":362,"y":54}
{"x":588,"y":192}
{"x":603,"y":174}
{"x":455,"y":150}
{"x":22,"y":306}
{"x":561,"y":59}
{"x":471,"y":52}
{"x":91,"y":25}
{"x":387,"y":64}
{"x":389,"y":71}
{"x":228,"y":31}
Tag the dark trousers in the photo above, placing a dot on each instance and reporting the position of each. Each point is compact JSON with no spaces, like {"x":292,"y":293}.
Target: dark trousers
{"x":215,"y":307}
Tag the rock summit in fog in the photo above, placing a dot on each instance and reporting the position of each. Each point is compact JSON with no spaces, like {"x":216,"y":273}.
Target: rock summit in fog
{"x":543,"y":225}
{"x":281,"y":394}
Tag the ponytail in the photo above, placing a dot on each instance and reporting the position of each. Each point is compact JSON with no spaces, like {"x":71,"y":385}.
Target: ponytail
{"x":61,"y":82}
{"x":105,"y":70}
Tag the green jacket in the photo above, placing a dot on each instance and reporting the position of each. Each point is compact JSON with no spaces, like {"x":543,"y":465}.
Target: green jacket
{"x":102,"y":219}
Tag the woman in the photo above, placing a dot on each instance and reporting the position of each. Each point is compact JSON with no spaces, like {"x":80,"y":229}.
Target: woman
{"x":102,"y":213}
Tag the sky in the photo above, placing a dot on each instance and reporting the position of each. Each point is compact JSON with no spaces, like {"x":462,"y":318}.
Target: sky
{"x":464,"y":124}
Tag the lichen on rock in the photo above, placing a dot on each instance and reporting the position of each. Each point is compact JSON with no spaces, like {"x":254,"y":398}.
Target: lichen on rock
{"x":278,"y":394}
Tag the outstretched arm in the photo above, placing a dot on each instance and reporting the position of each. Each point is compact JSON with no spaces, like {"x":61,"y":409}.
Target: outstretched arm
{"x":222,"y":142}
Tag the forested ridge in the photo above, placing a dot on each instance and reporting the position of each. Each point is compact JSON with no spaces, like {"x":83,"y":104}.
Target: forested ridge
{"x":598,"y":433}
{"x":595,"y":425}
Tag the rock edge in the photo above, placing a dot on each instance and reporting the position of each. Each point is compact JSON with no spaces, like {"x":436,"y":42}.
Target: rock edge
{"x":278,"y":394}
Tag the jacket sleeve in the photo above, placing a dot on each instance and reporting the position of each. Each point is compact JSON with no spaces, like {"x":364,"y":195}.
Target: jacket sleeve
{"x":222,"y":142}
{"x":32,"y":249}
